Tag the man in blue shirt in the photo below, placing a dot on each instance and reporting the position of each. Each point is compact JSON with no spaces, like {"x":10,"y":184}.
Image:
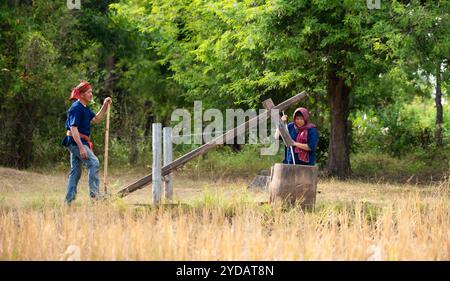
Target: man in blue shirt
{"x":305,"y":136}
{"x":77,"y":141}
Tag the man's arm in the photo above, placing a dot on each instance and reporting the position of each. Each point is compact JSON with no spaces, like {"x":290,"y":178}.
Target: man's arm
{"x":77,"y":139}
{"x":98,"y":117}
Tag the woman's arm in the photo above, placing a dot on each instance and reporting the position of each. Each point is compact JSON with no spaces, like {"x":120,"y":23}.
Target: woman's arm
{"x":312,"y":141}
{"x":303,"y":146}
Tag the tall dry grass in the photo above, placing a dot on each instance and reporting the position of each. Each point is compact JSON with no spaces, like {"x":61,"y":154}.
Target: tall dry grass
{"x":412,"y":227}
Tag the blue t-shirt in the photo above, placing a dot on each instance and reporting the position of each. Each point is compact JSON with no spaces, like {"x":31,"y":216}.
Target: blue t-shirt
{"x":313,"y":137}
{"x":79,"y":116}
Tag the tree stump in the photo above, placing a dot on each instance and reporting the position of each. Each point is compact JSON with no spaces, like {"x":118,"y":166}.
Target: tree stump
{"x":294,"y":184}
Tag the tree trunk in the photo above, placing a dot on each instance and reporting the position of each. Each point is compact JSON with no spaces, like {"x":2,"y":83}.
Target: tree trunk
{"x":133,"y":156}
{"x":338,"y":163}
{"x":23,"y":140}
{"x":439,"y":112}
{"x":149,"y":119}
{"x":109,"y":82}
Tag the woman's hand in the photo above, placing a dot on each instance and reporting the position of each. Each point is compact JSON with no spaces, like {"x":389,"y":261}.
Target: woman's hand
{"x":284,"y":118}
{"x":303,"y":146}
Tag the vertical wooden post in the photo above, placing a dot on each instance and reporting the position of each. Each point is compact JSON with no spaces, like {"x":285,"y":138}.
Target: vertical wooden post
{"x":156,"y":165}
{"x":105,"y":165}
{"x":167,"y":139}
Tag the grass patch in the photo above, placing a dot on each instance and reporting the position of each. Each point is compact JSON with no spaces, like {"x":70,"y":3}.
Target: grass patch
{"x":422,"y":167}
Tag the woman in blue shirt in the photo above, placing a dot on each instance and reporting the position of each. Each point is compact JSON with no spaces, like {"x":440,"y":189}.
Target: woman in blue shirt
{"x":305,"y":136}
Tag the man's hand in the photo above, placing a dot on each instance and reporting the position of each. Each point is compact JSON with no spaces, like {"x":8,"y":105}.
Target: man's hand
{"x":284,"y":118}
{"x":83,"y":152}
{"x":107,"y":101}
{"x":98,"y":117}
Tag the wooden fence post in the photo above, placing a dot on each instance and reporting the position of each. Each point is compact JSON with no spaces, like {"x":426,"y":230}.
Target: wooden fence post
{"x":156,"y":165}
{"x":167,"y":139}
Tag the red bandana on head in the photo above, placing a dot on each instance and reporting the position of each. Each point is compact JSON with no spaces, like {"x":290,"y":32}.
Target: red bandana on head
{"x":83,"y":87}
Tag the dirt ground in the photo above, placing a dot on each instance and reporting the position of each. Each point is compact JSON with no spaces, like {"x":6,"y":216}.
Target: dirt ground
{"x":25,"y":188}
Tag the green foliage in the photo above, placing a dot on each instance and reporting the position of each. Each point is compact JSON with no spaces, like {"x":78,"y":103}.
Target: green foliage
{"x":153,"y":56}
{"x":239,"y":52}
{"x":224,"y":163}
{"x":46,"y":50}
{"x":397,"y":128}
{"x":422,"y":165}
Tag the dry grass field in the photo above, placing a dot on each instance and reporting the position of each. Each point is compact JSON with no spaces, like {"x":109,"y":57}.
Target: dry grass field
{"x":221,"y":220}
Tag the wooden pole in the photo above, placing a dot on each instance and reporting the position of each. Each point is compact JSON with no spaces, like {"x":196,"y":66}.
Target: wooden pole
{"x":167,"y":147}
{"x":105,"y":164}
{"x":282,"y":127}
{"x":291,"y":143}
{"x":156,"y":165}
{"x":177,"y":163}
